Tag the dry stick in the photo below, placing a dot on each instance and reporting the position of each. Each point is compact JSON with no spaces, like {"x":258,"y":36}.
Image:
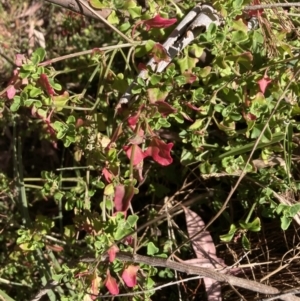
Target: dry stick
{"x":82,"y":7}
{"x":262,"y":6}
{"x":195,"y":270}
{"x":205,"y":272}
{"x":75,"y":6}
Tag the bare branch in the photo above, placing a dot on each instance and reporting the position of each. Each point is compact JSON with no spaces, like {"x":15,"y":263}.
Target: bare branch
{"x":77,"y":7}
{"x":273,"y":5}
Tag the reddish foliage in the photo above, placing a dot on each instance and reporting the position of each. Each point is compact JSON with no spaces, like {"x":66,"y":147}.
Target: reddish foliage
{"x":20,"y":59}
{"x":156,"y":22}
{"x":141,"y":66}
{"x":159,"y":151}
{"x":79,"y":122}
{"x":159,"y":53}
{"x":191,"y":106}
{"x":159,"y":22}
{"x":249,"y":116}
{"x":95,"y":286}
{"x":107,"y":175}
{"x":164,"y":108}
{"x":45,"y":84}
{"x":132,"y":120}
{"x":138,"y":153}
{"x":111,"y":284}
{"x":129,"y":275}
{"x":190,"y":77}
{"x":263,"y":83}
{"x":123,"y":197}
{"x":112,"y":252}
{"x":11,"y":92}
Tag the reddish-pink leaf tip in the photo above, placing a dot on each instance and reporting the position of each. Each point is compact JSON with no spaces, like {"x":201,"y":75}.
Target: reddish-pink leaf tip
{"x":159,"y":22}
{"x":138,"y":155}
{"x":129,"y":275}
{"x":159,"y":151}
{"x":111,"y":284}
{"x":112,"y":251}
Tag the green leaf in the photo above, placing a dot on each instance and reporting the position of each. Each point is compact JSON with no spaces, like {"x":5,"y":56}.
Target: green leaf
{"x":99,"y":4}
{"x":71,"y":119}
{"x":195,"y":50}
{"x":155,"y":79}
{"x":121,"y":232}
{"x":34,"y":92}
{"x":125,"y":26}
{"x":16,"y":104}
{"x":239,"y":37}
{"x":228,"y":237}
{"x":198,"y":94}
{"x":246,"y":243}
{"x":237,"y":4}
{"x":285,"y":222}
{"x":186,"y":63}
{"x":166,"y":273}
{"x":60,"y":101}
{"x":38,"y":56}
{"x":197,"y":124}
{"x":151,"y":249}
{"x":129,"y":4}
{"x":109,"y":189}
{"x":256,"y":131}
{"x":135,"y":12}
{"x":239,"y":25}
{"x":120,"y":83}
{"x":294,"y":209}
{"x":113,"y":18}
{"x":132,"y":219}
{"x":254,"y":226}
{"x":156,"y":94}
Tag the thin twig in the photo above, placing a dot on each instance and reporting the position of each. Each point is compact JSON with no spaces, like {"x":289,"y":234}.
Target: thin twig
{"x":262,"y":6}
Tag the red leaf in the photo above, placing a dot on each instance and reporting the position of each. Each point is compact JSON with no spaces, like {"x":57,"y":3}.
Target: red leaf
{"x":249,"y":116}
{"x":159,"y":53}
{"x":138,"y":153}
{"x":95,"y":286}
{"x":142,"y":66}
{"x":123,"y":196}
{"x":263,"y":83}
{"x":164,"y":108}
{"x":44,"y":82}
{"x":107,"y":175}
{"x":159,"y":151}
{"x":129,"y":275}
{"x":132,"y":120}
{"x":79,"y":123}
{"x":11,"y":92}
{"x":119,"y":195}
{"x":156,"y":22}
{"x":191,"y":106}
{"x":20,"y":59}
{"x":189,"y":77}
{"x":159,"y":22}
{"x":112,"y":252}
{"x":111,"y":284}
